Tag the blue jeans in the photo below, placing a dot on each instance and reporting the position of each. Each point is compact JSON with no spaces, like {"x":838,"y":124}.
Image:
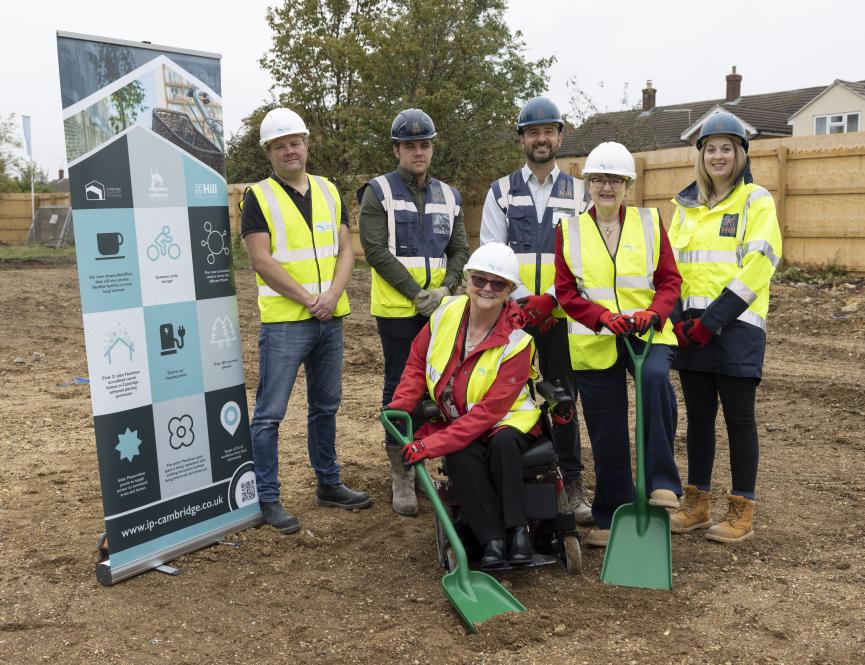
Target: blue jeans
{"x":282,"y":347}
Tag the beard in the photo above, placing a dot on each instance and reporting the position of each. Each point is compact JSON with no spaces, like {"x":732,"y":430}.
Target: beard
{"x":532,"y":157}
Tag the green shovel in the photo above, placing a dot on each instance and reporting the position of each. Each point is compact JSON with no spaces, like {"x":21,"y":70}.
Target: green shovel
{"x":639,"y":553}
{"x":475,"y":596}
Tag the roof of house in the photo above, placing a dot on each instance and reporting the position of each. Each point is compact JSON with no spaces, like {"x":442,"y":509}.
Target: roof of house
{"x":663,"y":126}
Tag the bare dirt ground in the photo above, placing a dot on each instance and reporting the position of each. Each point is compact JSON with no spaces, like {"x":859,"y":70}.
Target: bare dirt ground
{"x":364,"y":587}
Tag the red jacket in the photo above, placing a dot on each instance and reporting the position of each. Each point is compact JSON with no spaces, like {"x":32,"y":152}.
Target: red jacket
{"x":667,"y":281}
{"x":449,"y":437}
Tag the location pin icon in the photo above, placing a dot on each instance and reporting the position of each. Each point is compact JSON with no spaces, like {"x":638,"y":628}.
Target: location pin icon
{"x":230,"y":417}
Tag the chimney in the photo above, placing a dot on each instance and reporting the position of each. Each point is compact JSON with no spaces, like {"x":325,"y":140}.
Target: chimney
{"x":734,"y":86}
{"x":649,"y":97}
{"x":60,"y":174}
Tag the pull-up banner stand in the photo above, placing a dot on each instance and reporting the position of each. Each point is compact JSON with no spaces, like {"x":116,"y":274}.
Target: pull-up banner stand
{"x":144,"y":143}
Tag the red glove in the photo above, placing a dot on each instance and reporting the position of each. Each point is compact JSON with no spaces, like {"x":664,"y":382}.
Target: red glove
{"x":537,"y":311}
{"x":678,"y":328}
{"x":698,"y":334}
{"x":414,"y":452}
{"x":644,"y":320}
{"x":617,"y":323}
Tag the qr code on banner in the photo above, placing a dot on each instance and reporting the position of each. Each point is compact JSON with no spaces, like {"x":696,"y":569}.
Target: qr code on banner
{"x":247,"y":491}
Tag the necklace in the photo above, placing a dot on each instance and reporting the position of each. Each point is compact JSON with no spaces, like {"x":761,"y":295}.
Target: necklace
{"x":471,"y":345}
{"x":607,"y":228}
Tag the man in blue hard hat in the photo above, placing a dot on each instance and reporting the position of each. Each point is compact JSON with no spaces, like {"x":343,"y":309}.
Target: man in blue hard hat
{"x":412,"y":233}
{"x":522,"y":210}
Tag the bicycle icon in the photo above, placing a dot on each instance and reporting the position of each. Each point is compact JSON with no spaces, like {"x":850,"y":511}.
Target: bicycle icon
{"x":163,"y":245}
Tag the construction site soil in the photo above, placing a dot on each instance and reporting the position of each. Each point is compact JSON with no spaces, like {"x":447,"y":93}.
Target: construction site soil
{"x":364,"y":587}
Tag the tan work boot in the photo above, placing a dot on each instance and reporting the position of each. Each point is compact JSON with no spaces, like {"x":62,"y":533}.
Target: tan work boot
{"x":404,"y":498}
{"x":694,"y":513}
{"x":737,"y":524}
{"x":578,"y":504}
{"x":597,"y":538}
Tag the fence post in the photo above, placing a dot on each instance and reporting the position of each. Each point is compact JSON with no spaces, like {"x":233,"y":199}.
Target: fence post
{"x":640,"y":185}
{"x":782,"y":189}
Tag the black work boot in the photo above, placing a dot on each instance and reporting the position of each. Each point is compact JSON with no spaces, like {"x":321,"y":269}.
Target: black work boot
{"x":494,"y":553}
{"x":340,"y":496}
{"x":276,"y":516}
{"x":519,"y":546}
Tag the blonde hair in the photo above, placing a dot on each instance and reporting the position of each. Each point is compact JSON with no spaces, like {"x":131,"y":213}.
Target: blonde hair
{"x":707,"y":194}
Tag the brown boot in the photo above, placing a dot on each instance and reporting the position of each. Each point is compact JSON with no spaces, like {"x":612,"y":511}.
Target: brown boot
{"x":694,"y":513}
{"x":737,"y":524}
{"x":404,"y":498}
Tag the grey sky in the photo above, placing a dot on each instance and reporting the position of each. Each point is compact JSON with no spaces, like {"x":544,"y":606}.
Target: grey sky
{"x":685,"y":48}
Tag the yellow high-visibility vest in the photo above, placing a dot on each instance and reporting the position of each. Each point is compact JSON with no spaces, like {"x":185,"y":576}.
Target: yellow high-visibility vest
{"x":735,"y":245}
{"x":444,"y":327}
{"x":309,"y":256}
{"x":624,"y":285}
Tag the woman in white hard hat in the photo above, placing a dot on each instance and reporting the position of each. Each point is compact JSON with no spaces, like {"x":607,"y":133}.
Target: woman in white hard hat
{"x":615,"y":275}
{"x":475,"y":360}
{"x":727,"y":242}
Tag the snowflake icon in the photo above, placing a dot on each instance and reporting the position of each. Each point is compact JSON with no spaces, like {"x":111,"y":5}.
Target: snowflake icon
{"x":127,"y":444}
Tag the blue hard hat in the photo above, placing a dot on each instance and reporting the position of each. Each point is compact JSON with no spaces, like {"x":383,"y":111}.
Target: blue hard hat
{"x":539,"y":111}
{"x":723,"y":123}
{"x":412,"y":125}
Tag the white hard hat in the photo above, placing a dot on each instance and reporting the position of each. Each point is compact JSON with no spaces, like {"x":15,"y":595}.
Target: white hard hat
{"x":611,"y":158}
{"x":280,"y":122}
{"x":497,"y":259}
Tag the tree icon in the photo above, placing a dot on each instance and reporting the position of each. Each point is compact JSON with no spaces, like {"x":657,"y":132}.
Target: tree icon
{"x":222,"y":332}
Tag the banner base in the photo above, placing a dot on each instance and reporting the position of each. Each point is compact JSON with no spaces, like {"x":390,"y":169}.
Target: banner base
{"x":108,"y":575}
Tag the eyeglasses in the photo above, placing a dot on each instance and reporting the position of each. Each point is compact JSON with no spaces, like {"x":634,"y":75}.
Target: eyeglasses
{"x":612,"y":181}
{"x":497,"y":285}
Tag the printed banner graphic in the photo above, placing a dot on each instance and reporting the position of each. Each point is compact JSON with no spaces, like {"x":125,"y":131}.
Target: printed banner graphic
{"x":145,"y":147}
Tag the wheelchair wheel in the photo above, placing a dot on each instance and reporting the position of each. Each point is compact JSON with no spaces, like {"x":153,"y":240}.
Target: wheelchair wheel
{"x":446,"y":557}
{"x":573,"y":555}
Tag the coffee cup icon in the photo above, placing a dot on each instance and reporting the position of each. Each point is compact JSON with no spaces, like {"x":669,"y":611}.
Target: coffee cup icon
{"x":108,"y":245}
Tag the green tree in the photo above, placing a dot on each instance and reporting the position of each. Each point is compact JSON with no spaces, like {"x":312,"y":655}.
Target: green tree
{"x":349,"y":66}
{"x":10,"y":163}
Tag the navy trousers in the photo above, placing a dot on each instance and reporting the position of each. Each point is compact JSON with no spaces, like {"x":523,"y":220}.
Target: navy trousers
{"x":605,"y":408}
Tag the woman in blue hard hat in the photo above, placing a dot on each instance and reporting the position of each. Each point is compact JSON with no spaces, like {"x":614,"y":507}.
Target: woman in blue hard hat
{"x":727,"y":243}
{"x":475,"y":360}
{"x":615,"y":276}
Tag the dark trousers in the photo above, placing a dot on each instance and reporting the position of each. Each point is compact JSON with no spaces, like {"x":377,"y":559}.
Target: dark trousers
{"x":554,"y":360}
{"x":738,"y":396}
{"x":396,"y":338}
{"x":605,"y":408}
{"x":487,"y":478}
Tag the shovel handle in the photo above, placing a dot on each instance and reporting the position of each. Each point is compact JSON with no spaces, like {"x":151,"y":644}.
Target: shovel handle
{"x":461,"y":570}
{"x":388,"y":416}
{"x":640,"y":489}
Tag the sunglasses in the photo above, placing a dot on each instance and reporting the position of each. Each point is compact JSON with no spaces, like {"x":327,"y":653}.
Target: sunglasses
{"x":497,"y":285}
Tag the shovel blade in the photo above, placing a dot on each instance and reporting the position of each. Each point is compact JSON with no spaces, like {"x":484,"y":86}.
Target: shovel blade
{"x":636,"y":557}
{"x":479,"y":598}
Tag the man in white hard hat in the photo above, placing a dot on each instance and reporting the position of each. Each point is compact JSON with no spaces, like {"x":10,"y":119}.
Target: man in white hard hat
{"x":522,"y":210}
{"x":412,"y":232}
{"x":295,"y":229}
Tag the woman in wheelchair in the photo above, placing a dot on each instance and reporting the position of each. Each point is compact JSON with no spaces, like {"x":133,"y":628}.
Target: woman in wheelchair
{"x":475,"y":361}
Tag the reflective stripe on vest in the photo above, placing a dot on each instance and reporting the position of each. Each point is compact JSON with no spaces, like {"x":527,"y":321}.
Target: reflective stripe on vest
{"x":309,"y":256}
{"x":444,"y":328}
{"x":417,"y":241}
{"x":625,"y":286}
{"x":534,"y":242}
{"x":710,"y":250}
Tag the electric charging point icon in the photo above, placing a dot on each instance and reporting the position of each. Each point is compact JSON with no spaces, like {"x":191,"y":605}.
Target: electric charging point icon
{"x":230,"y":417}
{"x":169,"y":343}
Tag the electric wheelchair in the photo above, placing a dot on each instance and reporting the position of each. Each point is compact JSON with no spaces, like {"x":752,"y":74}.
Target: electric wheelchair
{"x":552,"y":528}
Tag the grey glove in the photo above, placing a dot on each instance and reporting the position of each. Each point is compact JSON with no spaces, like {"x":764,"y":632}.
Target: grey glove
{"x":428,"y":301}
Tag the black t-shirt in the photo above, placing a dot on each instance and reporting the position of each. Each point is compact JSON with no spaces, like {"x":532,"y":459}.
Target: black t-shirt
{"x":252,"y":219}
